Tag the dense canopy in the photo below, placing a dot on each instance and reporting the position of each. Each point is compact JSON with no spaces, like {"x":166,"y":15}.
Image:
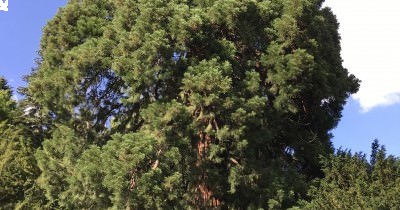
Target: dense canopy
{"x":180,"y":104}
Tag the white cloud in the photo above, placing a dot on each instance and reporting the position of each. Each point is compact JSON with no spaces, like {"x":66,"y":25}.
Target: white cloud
{"x":370,"y":32}
{"x":15,"y":97}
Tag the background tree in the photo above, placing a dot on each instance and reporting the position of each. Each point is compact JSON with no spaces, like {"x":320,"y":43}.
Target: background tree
{"x":353,"y":182}
{"x":18,"y":170}
{"x":7,"y":104}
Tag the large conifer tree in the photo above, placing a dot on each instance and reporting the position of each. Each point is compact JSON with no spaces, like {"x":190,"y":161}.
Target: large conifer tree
{"x":187,"y":103}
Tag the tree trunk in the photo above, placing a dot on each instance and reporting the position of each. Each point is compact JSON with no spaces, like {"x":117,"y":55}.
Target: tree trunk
{"x":204,"y":197}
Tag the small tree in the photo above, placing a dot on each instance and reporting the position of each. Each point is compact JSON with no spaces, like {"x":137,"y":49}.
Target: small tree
{"x":351,"y":182}
{"x":18,"y":169}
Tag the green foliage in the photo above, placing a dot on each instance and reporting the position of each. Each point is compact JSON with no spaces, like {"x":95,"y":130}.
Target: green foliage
{"x":15,"y":170}
{"x":18,"y":169}
{"x":57,"y":160}
{"x":7,"y":105}
{"x":351,"y":182}
{"x":184,"y":104}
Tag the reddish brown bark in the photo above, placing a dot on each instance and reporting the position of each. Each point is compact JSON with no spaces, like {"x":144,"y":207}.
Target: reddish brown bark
{"x":205,"y":196}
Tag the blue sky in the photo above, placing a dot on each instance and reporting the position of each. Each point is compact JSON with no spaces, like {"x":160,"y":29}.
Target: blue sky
{"x":370,"y":49}
{"x":370,"y":32}
{"x":21,"y":29}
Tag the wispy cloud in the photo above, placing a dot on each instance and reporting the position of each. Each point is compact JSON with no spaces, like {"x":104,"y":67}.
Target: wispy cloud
{"x":15,"y":97}
{"x":370,"y":33}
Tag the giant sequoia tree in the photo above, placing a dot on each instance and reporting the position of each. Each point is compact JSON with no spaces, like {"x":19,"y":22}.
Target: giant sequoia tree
{"x":186,"y":103}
